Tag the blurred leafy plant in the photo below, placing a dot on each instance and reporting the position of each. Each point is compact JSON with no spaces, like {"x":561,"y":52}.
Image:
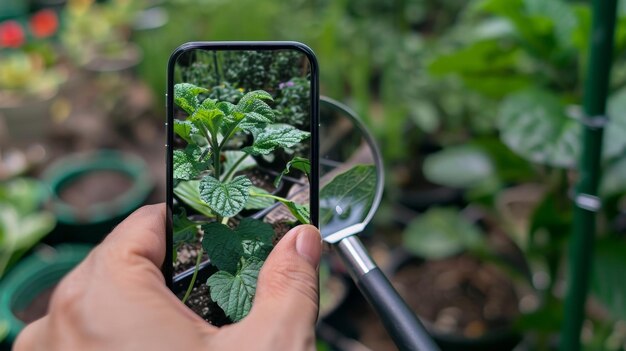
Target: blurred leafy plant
{"x":22,"y":223}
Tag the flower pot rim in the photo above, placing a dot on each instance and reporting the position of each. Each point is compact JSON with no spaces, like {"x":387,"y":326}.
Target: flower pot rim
{"x":76,"y":165}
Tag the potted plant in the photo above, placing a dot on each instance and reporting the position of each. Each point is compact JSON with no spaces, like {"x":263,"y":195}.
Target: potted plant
{"x":209,"y":183}
{"x":97,"y":35}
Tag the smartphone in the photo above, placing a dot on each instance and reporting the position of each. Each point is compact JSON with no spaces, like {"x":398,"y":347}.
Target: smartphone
{"x":242,"y":166}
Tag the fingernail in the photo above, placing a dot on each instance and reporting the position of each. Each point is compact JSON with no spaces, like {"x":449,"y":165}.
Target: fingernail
{"x":309,"y":245}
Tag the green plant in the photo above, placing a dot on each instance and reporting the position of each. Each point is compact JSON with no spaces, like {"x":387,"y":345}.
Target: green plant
{"x":205,"y":174}
{"x":22,"y":223}
{"x":530,"y":63}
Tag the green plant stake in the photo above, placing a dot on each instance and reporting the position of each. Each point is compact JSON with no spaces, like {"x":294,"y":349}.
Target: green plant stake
{"x":586,"y":200}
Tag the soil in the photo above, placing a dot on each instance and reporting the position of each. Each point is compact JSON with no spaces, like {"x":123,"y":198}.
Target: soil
{"x":260,"y":179}
{"x":94,"y":187}
{"x":459,"y":296}
{"x":200,"y":302}
{"x":36,"y":308}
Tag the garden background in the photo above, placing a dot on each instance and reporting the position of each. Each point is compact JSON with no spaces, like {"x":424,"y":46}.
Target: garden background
{"x":476,"y":106}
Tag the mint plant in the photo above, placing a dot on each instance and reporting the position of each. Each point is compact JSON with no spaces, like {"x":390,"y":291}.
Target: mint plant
{"x":221,"y":137}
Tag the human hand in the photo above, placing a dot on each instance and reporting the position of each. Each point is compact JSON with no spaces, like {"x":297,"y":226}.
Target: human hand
{"x":116,"y":299}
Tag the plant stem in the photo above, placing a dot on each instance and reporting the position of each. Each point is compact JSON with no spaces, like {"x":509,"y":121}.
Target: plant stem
{"x":195,"y":275}
{"x":233,"y":169}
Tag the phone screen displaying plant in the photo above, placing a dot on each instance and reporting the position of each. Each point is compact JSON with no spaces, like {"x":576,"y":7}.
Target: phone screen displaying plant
{"x":241,"y":168}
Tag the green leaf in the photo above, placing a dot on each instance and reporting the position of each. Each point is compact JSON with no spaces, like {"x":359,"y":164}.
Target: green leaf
{"x":184,"y":230}
{"x":258,"y":202}
{"x":231,"y":157}
{"x":225,"y":199}
{"x":186,"y":96}
{"x":189,"y":193}
{"x":225,"y":246}
{"x":614,"y":144}
{"x":250,"y":112}
{"x":271,"y":138}
{"x":301,"y":212}
{"x":462,"y":166}
{"x":613,"y":181}
{"x":185,"y":129}
{"x":534,"y":125}
{"x":608,"y":276}
{"x":234,"y":293}
{"x":187,"y":163}
{"x":352,"y":190}
{"x":299,"y":163}
{"x":207,"y":119}
{"x":440,"y":233}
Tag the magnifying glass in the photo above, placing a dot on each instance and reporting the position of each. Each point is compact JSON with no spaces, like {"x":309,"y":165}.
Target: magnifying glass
{"x":351,"y":187}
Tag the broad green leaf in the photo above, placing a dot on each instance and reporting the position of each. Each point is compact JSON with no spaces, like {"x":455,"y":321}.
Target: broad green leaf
{"x":184,"y":230}
{"x":19,"y":232}
{"x":225,"y":198}
{"x":440,"y":233}
{"x":225,"y":246}
{"x":222,"y":246}
{"x":301,"y":212}
{"x":186,"y":96}
{"x":299,"y":163}
{"x":189,"y":193}
{"x":231,"y":157}
{"x":185,"y":129}
{"x":559,"y":16}
{"x":272,"y":138}
{"x":258,"y":202}
{"x":462,"y":166}
{"x":234,"y":293}
{"x":613,"y":179}
{"x":608,"y":283}
{"x":23,"y":194}
{"x":534,"y":125}
{"x":207,"y":119}
{"x":614,"y":144}
{"x":348,"y":196}
{"x":187,"y":163}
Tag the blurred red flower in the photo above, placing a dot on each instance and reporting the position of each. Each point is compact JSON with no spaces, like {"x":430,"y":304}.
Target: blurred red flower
{"x":44,"y":23}
{"x":11,"y":34}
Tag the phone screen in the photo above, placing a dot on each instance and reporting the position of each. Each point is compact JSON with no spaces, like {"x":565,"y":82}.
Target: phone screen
{"x":242,"y":166}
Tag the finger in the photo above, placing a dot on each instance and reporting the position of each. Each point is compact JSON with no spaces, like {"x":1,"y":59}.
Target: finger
{"x":141,"y":234}
{"x":288,"y":283}
{"x":32,"y":337}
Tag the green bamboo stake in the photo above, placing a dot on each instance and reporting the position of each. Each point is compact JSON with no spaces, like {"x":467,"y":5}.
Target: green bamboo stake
{"x":586,"y":200}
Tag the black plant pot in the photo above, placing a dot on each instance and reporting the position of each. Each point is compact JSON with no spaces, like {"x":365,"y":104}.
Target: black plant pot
{"x":503,"y":339}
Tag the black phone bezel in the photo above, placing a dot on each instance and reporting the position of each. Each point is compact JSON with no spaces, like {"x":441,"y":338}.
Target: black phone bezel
{"x":167,"y":268}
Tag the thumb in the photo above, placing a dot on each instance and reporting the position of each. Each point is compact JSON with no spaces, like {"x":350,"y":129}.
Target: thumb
{"x":287,"y":288}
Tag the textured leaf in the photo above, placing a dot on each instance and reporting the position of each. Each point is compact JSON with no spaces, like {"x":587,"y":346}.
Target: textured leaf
{"x":207,"y":119}
{"x":225,"y":246}
{"x":301,"y":212}
{"x":299,"y":163}
{"x":534,"y":125}
{"x":186,"y":96}
{"x":234,"y":293}
{"x":225,"y":199}
{"x":608,"y":276}
{"x":189,"y":193}
{"x":271,"y":138}
{"x":184,"y":230}
{"x":258,"y":202}
{"x":461,"y":166}
{"x":187,"y":163}
{"x":185,"y":129}
{"x":440,"y":233}
{"x":349,"y":196}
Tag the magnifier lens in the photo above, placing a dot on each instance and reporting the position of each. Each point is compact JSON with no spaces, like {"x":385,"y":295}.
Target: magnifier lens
{"x":348,"y":174}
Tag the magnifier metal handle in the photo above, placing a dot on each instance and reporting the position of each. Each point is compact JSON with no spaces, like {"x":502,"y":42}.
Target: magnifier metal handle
{"x":401,"y":323}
